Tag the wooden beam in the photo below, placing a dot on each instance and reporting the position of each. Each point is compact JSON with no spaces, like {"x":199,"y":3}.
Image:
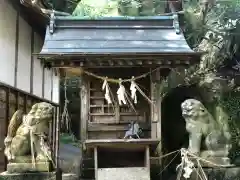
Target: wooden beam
{"x":96,"y":127}
{"x":32,"y":61}
{"x":52,"y":75}
{"x":43,"y":81}
{"x":16,"y":50}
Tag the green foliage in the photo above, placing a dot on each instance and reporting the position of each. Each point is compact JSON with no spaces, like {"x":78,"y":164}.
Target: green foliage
{"x":213,"y":34}
{"x":66,"y":138}
{"x":95,"y":8}
{"x":62,"y":5}
{"x":231,"y":103}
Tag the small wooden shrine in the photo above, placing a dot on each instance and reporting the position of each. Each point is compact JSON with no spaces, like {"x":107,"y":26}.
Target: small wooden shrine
{"x":112,"y":50}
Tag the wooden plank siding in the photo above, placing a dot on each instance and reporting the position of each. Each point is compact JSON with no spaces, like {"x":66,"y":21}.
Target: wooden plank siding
{"x":22,"y":75}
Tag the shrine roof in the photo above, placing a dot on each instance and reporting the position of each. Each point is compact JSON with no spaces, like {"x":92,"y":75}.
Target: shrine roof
{"x":84,"y":40}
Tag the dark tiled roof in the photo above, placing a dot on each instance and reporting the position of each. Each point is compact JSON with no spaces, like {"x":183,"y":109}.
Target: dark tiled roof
{"x":73,"y":37}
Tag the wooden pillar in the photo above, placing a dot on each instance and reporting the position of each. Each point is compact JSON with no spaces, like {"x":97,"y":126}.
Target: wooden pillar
{"x":156,"y":107}
{"x":84,"y":107}
{"x":96,"y":162}
{"x":147,"y":157}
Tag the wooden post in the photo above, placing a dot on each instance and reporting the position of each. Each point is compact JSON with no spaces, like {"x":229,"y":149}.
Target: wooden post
{"x":147,"y":158}
{"x":84,"y":107}
{"x":156,"y":106}
{"x":57,"y":139}
{"x":156,"y":109}
{"x":96,"y":162}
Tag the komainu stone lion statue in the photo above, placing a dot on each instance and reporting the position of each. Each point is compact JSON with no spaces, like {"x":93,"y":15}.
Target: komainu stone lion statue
{"x":26,"y":140}
{"x":206,"y":136}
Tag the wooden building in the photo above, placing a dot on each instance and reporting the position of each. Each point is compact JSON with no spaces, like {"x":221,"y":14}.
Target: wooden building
{"x":23,"y":78}
{"x":118,"y":47}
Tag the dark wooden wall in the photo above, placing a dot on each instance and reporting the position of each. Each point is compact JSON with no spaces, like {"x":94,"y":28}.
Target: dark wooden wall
{"x":102,"y":121}
{"x":12,"y":99}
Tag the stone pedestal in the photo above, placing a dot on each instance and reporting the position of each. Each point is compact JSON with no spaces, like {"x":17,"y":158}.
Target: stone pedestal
{"x":230,"y":173}
{"x":36,"y":176}
{"x":28,"y":176}
{"x":28,"y":167}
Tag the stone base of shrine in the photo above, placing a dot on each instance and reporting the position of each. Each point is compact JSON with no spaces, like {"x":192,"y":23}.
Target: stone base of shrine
{"x":217,"y":173}
{"x":36,"y":176}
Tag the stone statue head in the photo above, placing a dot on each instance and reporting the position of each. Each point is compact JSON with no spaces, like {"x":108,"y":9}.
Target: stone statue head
{"x":40,"y":111}
{"x":193,"y":109}
{"x":44,"y":110}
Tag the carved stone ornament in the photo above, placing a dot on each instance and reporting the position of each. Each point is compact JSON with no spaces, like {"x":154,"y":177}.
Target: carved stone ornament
{"x":26,"y":146}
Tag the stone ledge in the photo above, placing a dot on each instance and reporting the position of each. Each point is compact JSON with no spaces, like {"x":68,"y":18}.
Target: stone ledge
{"x":28,"y":167}
{"x":36,"y":176}
{"x":217,"y":173}
{"x":70,"y":177}
{"x":28,"y":176}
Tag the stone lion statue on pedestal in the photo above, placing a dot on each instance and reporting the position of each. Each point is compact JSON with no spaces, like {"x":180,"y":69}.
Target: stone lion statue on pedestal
{"x":207,"y":138}
{"x":26,"y":140}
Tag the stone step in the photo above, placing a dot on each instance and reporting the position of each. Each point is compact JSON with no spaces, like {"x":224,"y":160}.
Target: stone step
{"x":68,"y":176}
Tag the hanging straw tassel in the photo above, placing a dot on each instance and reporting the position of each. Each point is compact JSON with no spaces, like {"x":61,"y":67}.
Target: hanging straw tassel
{"x":187,"y":166}
{"x":133,"y":90}
{"x":105,"y":87}
{"x":121,"y":93}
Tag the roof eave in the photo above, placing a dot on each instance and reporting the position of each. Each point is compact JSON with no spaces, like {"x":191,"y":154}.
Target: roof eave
{"x":165,"y":60}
